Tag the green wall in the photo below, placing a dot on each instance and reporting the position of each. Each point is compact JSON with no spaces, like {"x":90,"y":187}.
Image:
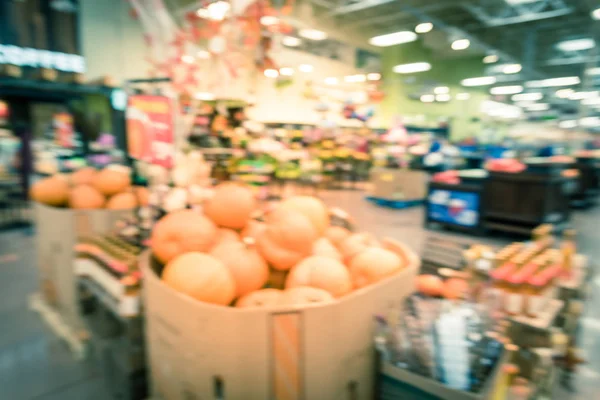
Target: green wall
{"x":444,"y":72}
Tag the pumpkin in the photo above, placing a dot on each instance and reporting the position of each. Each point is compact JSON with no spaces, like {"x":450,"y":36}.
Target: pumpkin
{"x":112,"y":180}
{"x":355,"y":244}
{"x":226,"y":236}
{"x":312,"y":208}
{"x":372,"y":265}
{"x":231,"y":206}
{"x":323,"y":247}
{"x":142,"y":194}
{"x":260,"y":298}
{"x":323,"y":273}
{"x":201,"y":277}
{"x":303,"y":296}
{"x":455,"y":288}
{"x":253,"y":229}
{"x":84,"y":176}
{"x":182,"y":232}
{"x":287,"y":239}
{"x":53,"y":191}
{"x":337,"y":234}
{"x":85,"y":197}
{"x":431,"y":285}
{"x":249,"y":270}
{"x":122,"y":201}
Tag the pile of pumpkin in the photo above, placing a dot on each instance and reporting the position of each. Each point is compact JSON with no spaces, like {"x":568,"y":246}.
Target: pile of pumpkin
{"x":89,"y":188}
{"x":294,"y":256}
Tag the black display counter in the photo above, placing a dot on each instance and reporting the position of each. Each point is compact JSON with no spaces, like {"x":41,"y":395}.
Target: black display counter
{"x":589,"y":181}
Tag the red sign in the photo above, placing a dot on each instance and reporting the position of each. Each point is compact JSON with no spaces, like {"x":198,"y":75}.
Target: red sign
{"x":63,"y":129}
{"x":150,"y":130}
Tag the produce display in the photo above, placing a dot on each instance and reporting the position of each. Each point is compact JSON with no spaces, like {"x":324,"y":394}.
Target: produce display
{"x":291,"y":256}
{"x":88,"y":188}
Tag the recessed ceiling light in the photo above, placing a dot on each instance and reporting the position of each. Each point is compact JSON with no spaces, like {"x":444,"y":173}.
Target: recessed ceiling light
{"x":331,"y":81}
{"x":568,"y":124}
{"x":527,"y":97}
{"x":392,"y":39}
{"x":441,"y":90}
{"x":512,"y":68}
{"x":461,"y":44}
{"x":374,"y":76}
{"x":503,"y":90}
{"x":428,"y":98}
{"x":480,"y":81}
{"x":593,"y":71}
{"x":306,"y":68}
{"x":592,"y":101}
{"x":424,"y":27}
{"x":596,"y":14}
{"x":271,"y":73}
{"x":519,"y":2}
{"x":269,"y":20}
{"x":490,"y":59}
{"x":554,"y":82}
{"x":564,"y":93}
{"x":412,"y":68}
{"x":538,"y":107}
{"x":576,"y":44}
{"x":589,"y":122}
{"x":291,"y":41}
{"x":583,"y":95}
{"x":463,"y":96}
{"x":286,"y":71}
{"x":442,"y":98}
{"x":312,"y":34}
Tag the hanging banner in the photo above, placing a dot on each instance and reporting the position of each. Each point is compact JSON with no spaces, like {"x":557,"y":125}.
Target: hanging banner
{"x":63,"y":129}
{"x":150,"y":129}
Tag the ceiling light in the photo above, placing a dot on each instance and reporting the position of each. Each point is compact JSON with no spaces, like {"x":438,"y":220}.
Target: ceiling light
{"x":576,"y":44}
{"x":355,"y":78}
{"x":589,"y":122}
{"x":519,"y":2}
{"x":596,"y":14}
{"x":480,"y":81}
{"x":204,"y":96}
{"x":502,"y":90}
{"x":441,"y":90}
{"x":428,"y":98}
{"x":374,"y":76}
{"x":461,"y":44}
{"x":567,"y":124}
{"x":527,"y":97}
{"x":306,"y":68}
{"x":442,"y":98}
{"x":492,"y":58}
{"x":554,"y":82}
{"x":593,"y":71}
{"x":218,"y":10}
{"x":583,"y":95}
{"x":271,"y":73}
{"x":564,"y":93}
{"x":312,"y":34}
{"x":286,"y":71}
{"x":463,"y":96}
{"x":291,"y":41}
{"x":412,"y":68}
{"x":538,"y":107}
{"x":203,"y":54}
{"x":512,"y":68}
{"x":424,"y":27}
{"x":269,"y":20}
{"x":595,"y":101}
{"x":331,"y":81}
{"x":392,"y":39}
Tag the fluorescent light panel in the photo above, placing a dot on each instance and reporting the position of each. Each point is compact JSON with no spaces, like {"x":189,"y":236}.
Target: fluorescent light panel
{"x":306,"y":68}
{"x":538,"y":107}
{"x":271,"y":73}
{"x":313,"y":34}
{"x":374,"y":76}
{"x":412,"y":68}
{"x":596,"y":14}
{"x":576,"y":44}
{"x":568,"y":124}
{"x":441,"y":90}
{"x":291,"y":41}
{"x":428,"y":98}
{"x":424,"y":27}
{"x":461,"y":44}
{"x":286,"y":71}
{"x":480,"y":81}
{"x":442,"y":98}
{"x":490,"y":59}
{"x":593,"y":71}
{"x":512,"y":68}
{"x":527,"y":97}
{"x":554,"y":82}
{"x":392,"y":39}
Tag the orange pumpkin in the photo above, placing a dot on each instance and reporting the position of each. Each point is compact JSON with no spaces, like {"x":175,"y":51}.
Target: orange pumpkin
{"x":122,"y":201}
{"x":225,"y":236}
{"x":253,"y":229}
{"x":142,"y":194}
{"x":112,"y":180}
{"x":455,"y":288}
{"x":53,"y":191}
{"x":201,"y":277}
{"x":430,"y":285}
{"x":182,"y":232}
{"x":337,"y":234}
{"x":287,"y":239}
{"x":260,"y":298}
{"x":355,"y":244}
{"x":249,"y":270}
{"x":322,"y":273}
{"x":312,"y":208}
{"x":372,"y":265}
{"x":84,"y":176}
{"x":85,"y":197}
{"x":304,"y":296}
{"x":323,"y":247}
{"x":231,"y":205}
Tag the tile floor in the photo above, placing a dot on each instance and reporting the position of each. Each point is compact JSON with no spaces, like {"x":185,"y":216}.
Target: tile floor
{"x":36,"y":365}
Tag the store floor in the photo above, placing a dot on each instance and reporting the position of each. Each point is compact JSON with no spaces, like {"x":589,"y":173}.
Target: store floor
{"x":36,"y":365}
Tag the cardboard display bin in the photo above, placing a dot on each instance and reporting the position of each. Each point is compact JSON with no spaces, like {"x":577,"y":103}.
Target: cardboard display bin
{"x":322,"y":352}
{"x":398,"y":184}
{"x":57,"y":233}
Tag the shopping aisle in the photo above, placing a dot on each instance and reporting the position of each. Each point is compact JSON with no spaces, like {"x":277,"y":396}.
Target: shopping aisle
{"x":35,"y":365}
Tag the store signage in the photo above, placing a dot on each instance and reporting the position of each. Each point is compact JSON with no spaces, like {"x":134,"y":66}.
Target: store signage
{"x":27,"y":57}
{"x":454,"y":207}
{"x":150,"y":129}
